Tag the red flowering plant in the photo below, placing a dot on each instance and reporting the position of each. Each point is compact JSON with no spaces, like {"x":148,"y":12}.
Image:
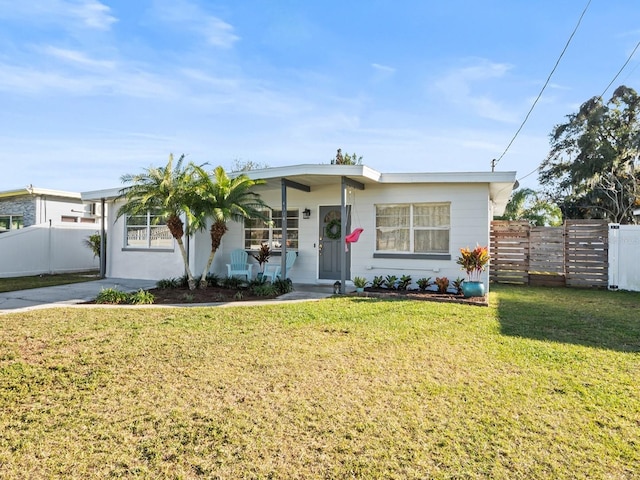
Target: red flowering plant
{"x":474,"y":262}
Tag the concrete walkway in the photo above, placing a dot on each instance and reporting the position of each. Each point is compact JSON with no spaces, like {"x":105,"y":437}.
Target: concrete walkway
{"x":70,"y":294}
{"x":75,"y":293}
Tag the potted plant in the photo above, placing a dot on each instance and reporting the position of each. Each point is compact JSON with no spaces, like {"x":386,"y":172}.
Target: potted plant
{"x":262,"y":257}
{"x":473,"y":262}
{"x":359,"y":283}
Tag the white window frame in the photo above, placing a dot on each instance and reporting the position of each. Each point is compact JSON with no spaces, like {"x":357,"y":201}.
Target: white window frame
{"x":274,"y":232}
{"x":412,"y":229}
{"x":149,"y":226}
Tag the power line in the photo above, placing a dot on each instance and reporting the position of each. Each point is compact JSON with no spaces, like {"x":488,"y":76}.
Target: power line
{"x":621,"y":69}
{"x":494,"y":162}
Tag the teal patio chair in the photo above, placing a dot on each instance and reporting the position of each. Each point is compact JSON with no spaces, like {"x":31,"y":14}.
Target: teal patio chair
{"x":239,"y":264}
{"x":272,"y":272}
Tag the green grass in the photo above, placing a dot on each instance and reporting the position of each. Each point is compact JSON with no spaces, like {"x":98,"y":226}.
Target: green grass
{"x":541,"y":384}
{"x":37,"y":281}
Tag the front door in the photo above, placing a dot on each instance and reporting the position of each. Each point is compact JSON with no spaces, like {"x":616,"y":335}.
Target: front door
{"x":330,"y":243}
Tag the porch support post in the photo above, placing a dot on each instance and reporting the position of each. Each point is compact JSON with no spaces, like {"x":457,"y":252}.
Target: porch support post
{"x":103,"y":240}
{"x":283,"y":246}
{"x":343,"y":234}
{"x":284,"y":183}
{"x":345,"y":183}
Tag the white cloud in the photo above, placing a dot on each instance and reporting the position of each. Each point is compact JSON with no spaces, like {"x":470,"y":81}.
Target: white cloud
{"x":131,"y":83}
{"x":383,"y":68}
{"x":190,"y":16}
{"x":77,"y":58}
{"x":458,"y":86}
{"x":91,"y":14}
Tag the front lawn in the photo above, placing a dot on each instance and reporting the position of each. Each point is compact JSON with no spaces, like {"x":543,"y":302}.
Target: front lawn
{"x":36,"y":281}
{"x":541,"y":384}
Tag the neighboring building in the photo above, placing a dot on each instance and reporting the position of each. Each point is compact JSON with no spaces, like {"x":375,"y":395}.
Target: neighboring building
{"x":413,"y":223}
{"x":33,"y":206}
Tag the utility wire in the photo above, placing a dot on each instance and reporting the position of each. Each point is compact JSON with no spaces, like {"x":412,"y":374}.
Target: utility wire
{"x":621,"y":69}
{"x":494,"y":162}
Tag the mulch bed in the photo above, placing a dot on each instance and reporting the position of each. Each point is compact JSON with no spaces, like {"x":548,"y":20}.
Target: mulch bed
{"x":167,"y":296}
{"x":428,"y":295}
{"x":182,"y":295}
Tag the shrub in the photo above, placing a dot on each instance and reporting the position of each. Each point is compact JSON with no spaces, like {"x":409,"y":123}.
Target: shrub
{"x":264,"y":290}
{"x":424,"y":283}
{"x":359,"y":282}
{"x":213,"y":280}
{"x":442,"y":284}
{"x":232,"y":283}
{"x":390,"y":282}
{"x":182,"y":282}
{"x":457,"y":284}
{"x":377,"y":282}
{"x":283,"y":286}
{"x":93,"y":243}
{"x":188,"y":297}
{"x":112,"y":296}
{"x":404,"y":282}
{"x":167,"y":283}
{"x":141,"y":297}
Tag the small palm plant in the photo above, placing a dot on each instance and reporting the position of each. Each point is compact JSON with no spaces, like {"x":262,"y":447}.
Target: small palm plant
{"x":424,"y":283}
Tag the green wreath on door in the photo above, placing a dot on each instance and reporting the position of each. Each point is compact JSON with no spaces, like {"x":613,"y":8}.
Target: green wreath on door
{"x":333,"y":230}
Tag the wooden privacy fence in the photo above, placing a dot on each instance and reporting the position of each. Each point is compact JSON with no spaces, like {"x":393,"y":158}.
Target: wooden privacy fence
{"x":575,"y":255}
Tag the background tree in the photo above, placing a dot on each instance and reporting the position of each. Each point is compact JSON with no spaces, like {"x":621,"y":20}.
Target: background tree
{"x":221,"y":199}
{"x":168,"y":192}
{"x":247,"y":165}
{"x":346,"y":159}
{"x":592,"y":169}
{"x":527,"y":204}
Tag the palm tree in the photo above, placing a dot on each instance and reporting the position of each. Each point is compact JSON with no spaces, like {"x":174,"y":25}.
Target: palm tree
{"x":169,"y":193}
{"x":526,"y":204}
{"x":223,"y":199}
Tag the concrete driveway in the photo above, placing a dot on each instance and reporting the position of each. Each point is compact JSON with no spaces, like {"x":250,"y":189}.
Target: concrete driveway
{"x":66,"y":294}
{"x":72,"y":294}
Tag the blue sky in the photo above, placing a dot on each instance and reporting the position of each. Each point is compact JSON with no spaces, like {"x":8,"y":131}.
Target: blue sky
{"x":91,"y":90}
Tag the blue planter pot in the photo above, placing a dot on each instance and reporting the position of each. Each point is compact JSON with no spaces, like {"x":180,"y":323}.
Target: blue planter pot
{"x":472,"y":289}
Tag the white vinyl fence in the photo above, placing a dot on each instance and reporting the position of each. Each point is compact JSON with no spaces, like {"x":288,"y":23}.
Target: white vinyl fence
{"x":624,"y":257}
{"x":44,"y":248}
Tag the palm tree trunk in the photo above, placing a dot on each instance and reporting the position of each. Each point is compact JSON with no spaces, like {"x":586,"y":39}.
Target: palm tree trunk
{"x":218,"y":229}
{"x":185,"y":260}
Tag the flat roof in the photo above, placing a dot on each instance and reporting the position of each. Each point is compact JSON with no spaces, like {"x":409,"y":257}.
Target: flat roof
{"x":500,"y":183}
{"x":39,"y":191}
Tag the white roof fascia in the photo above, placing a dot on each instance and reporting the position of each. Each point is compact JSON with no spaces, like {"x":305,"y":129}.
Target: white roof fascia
{"x":448,"y":177}
{"x":40,"y":191}
{"x":96,"y":195}
{"x":312,"y":169}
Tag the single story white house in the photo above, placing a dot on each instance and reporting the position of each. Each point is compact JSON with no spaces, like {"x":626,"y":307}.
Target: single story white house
{"x":412,"y":224}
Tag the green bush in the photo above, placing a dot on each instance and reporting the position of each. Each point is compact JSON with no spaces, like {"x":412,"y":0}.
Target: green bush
{"x":457,"y":284}
{"x":141,"y":297}
{"x":377,"y":282}
{"x":232,"y":283}
{"x":213,"y":280}
{"x":283,"y":286}
{"x":264,"y":290}
{"x":112,"y":296}
{"x":390,"y":282}
{"x":167,"y":283}
{"x":424,"y":283}
{"x":404,"y":282}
